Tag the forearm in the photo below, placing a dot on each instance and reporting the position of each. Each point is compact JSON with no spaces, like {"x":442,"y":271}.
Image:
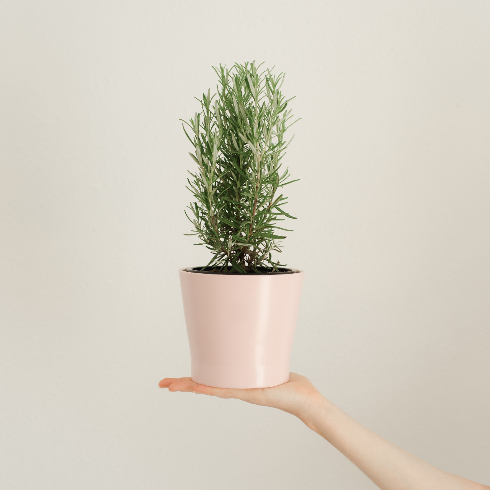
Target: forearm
{"x":388,"y":466}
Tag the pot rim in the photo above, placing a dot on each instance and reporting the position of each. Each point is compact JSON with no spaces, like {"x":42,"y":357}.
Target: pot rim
{"x":290,"y":270}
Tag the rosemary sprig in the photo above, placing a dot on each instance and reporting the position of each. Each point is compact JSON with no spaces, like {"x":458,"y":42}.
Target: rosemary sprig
{"x":238,"y":140}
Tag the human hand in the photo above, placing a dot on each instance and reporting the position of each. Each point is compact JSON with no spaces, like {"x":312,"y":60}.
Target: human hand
{"x":298,"y":396}
{"x":385,"y":464}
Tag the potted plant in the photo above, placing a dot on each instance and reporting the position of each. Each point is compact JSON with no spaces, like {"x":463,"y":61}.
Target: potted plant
{"x":241,"y":308}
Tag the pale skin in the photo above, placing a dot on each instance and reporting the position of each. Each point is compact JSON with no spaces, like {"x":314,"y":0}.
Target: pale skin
{"x":387,"y":465}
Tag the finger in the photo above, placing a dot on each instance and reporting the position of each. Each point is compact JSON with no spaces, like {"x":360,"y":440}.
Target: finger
{"x":187,"y":385}
{"x":221,"y":392}
{"x":182,"y":384}
{"x":166,"y":382}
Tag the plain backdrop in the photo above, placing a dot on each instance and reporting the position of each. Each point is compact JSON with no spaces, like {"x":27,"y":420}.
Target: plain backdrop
{"x":393,"y":206}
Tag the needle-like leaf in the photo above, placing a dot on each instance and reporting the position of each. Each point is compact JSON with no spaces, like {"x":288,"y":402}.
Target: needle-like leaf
{"x":238,"y":140}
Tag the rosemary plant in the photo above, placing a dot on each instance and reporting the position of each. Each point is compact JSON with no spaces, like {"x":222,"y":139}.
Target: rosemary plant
{"x":238,"y":140}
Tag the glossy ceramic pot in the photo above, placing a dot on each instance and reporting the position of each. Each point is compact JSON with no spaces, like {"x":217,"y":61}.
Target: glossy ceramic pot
{"x":240,"y":326}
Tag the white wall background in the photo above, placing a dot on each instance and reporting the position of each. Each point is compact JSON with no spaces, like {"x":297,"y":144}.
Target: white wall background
{"x":393,"y":152}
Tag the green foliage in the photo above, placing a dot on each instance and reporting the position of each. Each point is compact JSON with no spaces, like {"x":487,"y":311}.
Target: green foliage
{"x":238,"y":141}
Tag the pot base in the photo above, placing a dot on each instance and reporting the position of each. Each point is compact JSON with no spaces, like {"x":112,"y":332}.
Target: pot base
{"x":239,"y":377}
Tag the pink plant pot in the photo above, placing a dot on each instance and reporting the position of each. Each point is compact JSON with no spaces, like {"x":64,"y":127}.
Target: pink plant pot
{"x":240,"y":327}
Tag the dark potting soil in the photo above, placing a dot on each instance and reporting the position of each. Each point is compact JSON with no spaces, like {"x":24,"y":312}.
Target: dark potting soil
{"x":261,"y":270}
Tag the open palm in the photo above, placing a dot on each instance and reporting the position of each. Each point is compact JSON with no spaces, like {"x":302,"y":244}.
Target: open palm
{"x":295,"y":396}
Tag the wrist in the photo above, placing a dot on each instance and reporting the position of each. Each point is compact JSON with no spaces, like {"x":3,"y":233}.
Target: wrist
{"x":317,"y":409}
